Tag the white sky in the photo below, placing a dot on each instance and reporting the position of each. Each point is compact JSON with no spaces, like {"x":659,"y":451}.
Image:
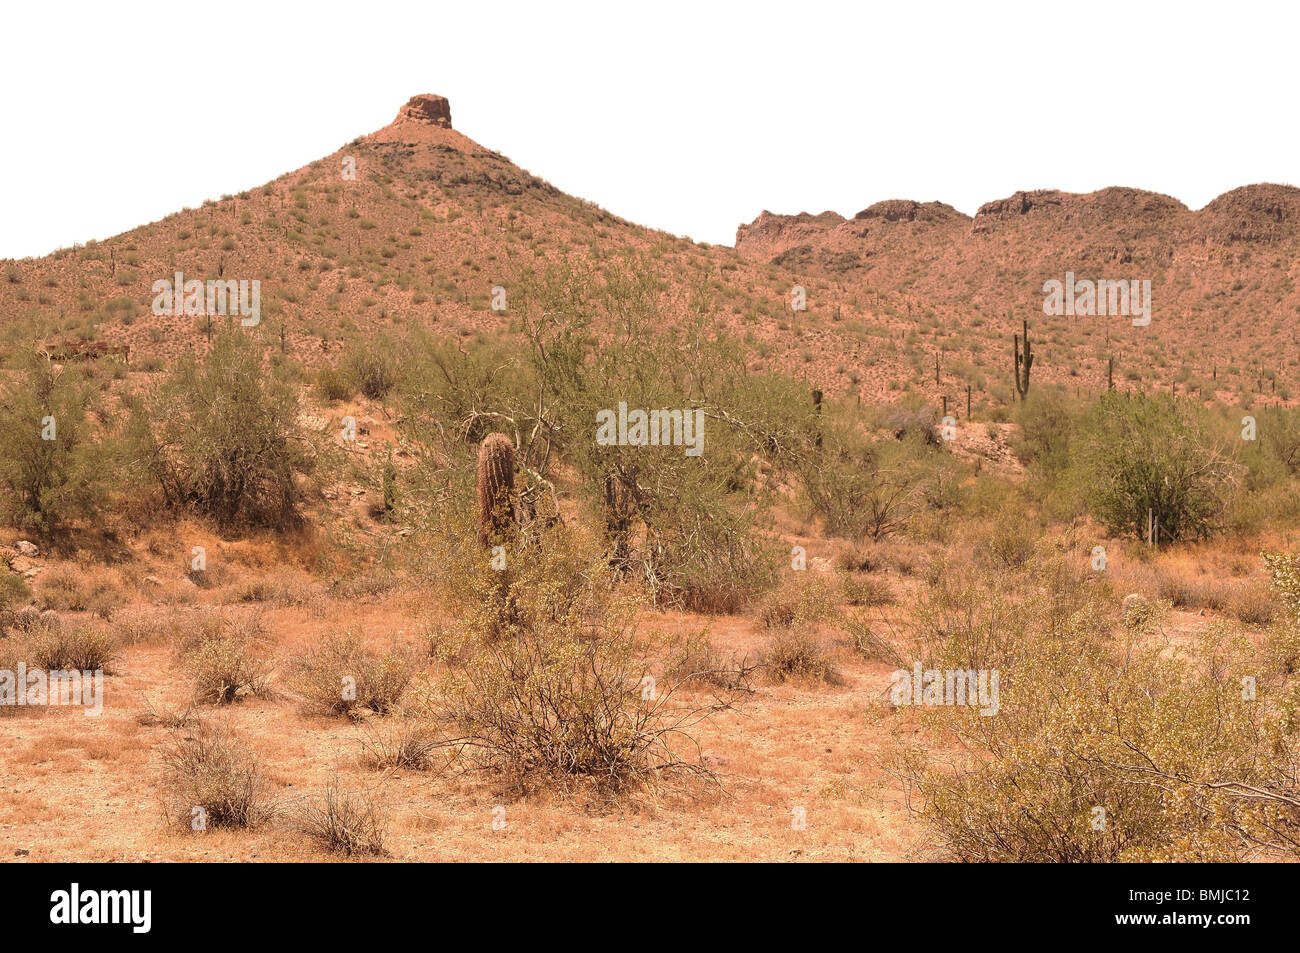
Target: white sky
{"x":688,"y":116}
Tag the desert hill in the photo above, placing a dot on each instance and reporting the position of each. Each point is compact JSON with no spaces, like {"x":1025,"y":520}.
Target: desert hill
{"x":429,"y":222}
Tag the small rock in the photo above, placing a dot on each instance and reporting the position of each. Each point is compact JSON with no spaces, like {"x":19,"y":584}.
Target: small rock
{"x":27,"y":548}
{"x":22,"y":852}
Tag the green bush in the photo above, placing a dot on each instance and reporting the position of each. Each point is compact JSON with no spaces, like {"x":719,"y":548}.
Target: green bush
{"x":371,"y":366}
{"x":221,"y":437}
{"x":44,"y":483}
{"x":1104,"y":746}
{"x":1151,"y":453}
{"x":331,"y":384}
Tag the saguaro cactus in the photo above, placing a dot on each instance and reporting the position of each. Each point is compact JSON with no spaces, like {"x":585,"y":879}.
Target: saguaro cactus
{"x":1024,"y":361}
{"x":817,"y":413}
{"x":496,"y":483}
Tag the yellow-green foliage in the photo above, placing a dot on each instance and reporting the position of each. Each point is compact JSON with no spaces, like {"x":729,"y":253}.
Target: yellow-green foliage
{"x":1110,"y":746}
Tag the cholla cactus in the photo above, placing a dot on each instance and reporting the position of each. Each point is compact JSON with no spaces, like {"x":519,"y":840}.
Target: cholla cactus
{"x":496,"y":483}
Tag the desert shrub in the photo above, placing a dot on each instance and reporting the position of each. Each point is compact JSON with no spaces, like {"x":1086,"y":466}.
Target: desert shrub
{"x":1047,"y":423}
{"x":910,"y":418}
{"x":406,"y":745}
{"x":795,"y":653}
{"x":1007,"y":546}
{"x":1279,"y":437}
{"x":543,"y":682}
{"x":1150,"y":454}
{"x":68,"y":588}
{"x":695,"y":660}
{"x":804,"y":602}
{"x":856,"y":497}
{"x":972,"y":617}
{"x":58,"y":647}
{"x":370,"y":366}
{"x":867,"y":591}
{"x":1108,"y":748}
{"x":212,"y":780}
{"x":684,"y":524}
{"x":331,"y":384}
{"x":225,"y":659}
{"x":13,"y":589}
{"x":54,"y":467}
{"x":1284,"y":569}
{"x":338,"y":676}
{"x":343,"y":822}
{"x":862,"y":558}
{"x":868,"y":641}
{"x":222,"y":438}
{"x":1180,"y":761}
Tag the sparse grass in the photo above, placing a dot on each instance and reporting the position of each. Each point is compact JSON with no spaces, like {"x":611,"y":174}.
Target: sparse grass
{"x":867,"y":591}
{"x":82,"y":647}
{"x":344,"y":823}
{"x":67,"y":588}
{"x":225,"y":659}
{"x":212,"y":780}
{"x":795,"y":654}
{"x":406,"y":745}
{"x":338,"y":676}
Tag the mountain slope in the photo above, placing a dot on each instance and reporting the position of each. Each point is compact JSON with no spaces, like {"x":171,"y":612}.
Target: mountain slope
{"x":431,"y":221}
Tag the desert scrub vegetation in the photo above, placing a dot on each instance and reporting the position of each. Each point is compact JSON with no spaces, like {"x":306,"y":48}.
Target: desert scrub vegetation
{"x":343,"y":822}
{"x":338,"y":676}
{"x":44,"y":642}
{"x":222,"y":439}
{"x":865,"y":485}
{"x":797,"y":653}
{"x":371,"y":366}
{"x":545,"y":682}
{"x":55,"y":464}
{"x":211,"y":780}
{"x":224,"y":657}
{"x":1108,"y":744}
{"x":67,"y":588}
{"x":1155,"y":454}
{"x":682,"y":525}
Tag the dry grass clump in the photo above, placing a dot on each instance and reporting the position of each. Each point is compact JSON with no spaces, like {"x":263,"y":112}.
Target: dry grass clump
{"x":1254,"y":604}
{"x":339,"y":676}
{"x":343,"y":822}
{"x":697,"y":661}
{"x":225,"y":658}
{"x":285,"y":589}
{"x":141,"y":627}
{"x":863,"y":557}
{"x":867,"y":591}
{"x":68,"y":588}
{"x":52,"y":645}
{"x":211,"y":779}
{"x":406,"y":745}
{"x":796,"y":654}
